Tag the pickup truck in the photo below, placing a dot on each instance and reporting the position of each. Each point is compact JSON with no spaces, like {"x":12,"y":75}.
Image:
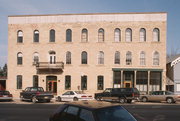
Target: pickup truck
{"x":121,"y":95}
{"x":35,"y":94}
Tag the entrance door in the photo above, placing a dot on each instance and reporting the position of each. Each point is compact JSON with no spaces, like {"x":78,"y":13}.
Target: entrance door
{"x":51,"y":83}
{"x":127,"y":84}
{"x":128,"y":79}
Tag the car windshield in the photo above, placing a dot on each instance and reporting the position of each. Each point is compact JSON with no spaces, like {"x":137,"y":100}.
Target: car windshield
{"x":117,"y":113}
{"x":79,"y":92}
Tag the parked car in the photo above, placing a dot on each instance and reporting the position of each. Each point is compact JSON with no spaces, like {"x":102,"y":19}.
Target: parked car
{"x":74,"y":96}
{"x":36,"y":94}
{"x":121,"y":95}
{"x":91,"y":111}
{"x":5,"y":95}
{"x":159,"y":96}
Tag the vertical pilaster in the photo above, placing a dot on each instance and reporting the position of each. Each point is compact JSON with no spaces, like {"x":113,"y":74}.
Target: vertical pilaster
{"x":122,"y":78}
{"x":148,"y":82}
{"x":135,"y":78}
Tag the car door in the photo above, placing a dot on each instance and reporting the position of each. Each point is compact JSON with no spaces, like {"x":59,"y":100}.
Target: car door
{"x":152,"y":96}
{"x":65,"y":96}
{"x":71,"y":96}
{"x":106,"y":94}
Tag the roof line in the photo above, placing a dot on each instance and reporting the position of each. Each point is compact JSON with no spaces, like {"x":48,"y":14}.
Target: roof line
{"x":88,"y":14}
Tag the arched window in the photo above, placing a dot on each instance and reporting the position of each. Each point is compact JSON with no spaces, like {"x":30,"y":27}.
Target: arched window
{"x":156,"y":35}
{"x":128,"y":35}
{"x":128,"y":58}
{"x":142,"y":58}
{"x":142,"y":35}
{"x":36,"y":57}
{"x":117,"y":57}
{"x":52,"y":57}
{"x":84,"y":57}
{"x":101,"y":35}
{"x":36,"y":36}
{"x":52,"y":35}
{"x":156,"y":58}
{"x":117,"y":35}
{"x":68,"y":35}
{"x":19,"y":81}
{"x":68,"y":57}
{"x":19,"y":58}
{"x":19,"y":36}
{"x":84,"y":35}
{"x":101,"y":57}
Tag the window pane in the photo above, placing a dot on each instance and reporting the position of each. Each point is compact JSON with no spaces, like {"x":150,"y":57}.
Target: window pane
{"x":142,"y":35}
{"x":67,"y":82}
{"x":36,"y":36}
{"x":100,"y":84}
{"x":101,"y":35}
{"x":19,"y":59}
{"x":52,"y":35}
{"x":117,"y":35}
{"x":142,"y":58}
{"x":35,"y":81}
{"x":128,"y":58}
{"x":84,"y":58}
{"x":128,"y":35}
{"x":68,"y":57}
{"x":20,"y":37}
{"x":101,"y":57}
{"x":84,"y":36}
{"x":156,"y":35}
{"x":83,"y":82}
{"x":86,"y":115}
{"x":19,"y":82}
{"x":117,"y":58}
{"x":68,"y":35}
{"x":156,"y":58}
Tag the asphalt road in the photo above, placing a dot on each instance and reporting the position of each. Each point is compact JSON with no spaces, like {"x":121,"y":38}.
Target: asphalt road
{"x":41,"y":112}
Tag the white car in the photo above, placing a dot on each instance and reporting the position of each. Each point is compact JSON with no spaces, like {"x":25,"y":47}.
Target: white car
{"x":74,"y":96}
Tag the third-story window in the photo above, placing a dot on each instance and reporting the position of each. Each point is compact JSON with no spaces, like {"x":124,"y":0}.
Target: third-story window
{"x":35,"y":81}
{"x":101,"y":57}
{"x":156,"y":35}
{"x":101,"y":35}
{"x":20,"y":37}
{"x":100,"y":82}
{"x":68,"y":57}
{"x":128,"y":58}
{"x":117,"y":35}
{"x":142,"y":58}
{"x":68,"y":35}
{"x":84,"y":57}
{"x":19,"y":81}
{"x":52,"y":35}
{"x":36,"y":58}
{"x":156,"y":58}
{"x":128,"y":35}
{"x":67,"y":82}
{"x":84,"y":36}
{"x":84,"y":82}
{"x":142,"y":35}
{"x":19,"y":58}
{"x":117,"y":57}
{"x":36,"y":36}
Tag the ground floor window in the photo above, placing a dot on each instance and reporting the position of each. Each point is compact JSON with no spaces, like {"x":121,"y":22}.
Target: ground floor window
{"x":83,"y":82}
{"x":100,"y":83}
{"x":19,"y":81}
{"x":117,"y":78}
{"x":35,"y":81}
{"x":155,"y":81}
{"x":67,"y":82}
{"x":142,"y":80}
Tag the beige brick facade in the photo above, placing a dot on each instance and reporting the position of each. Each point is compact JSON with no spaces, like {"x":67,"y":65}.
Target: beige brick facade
{"x":77,"y":22}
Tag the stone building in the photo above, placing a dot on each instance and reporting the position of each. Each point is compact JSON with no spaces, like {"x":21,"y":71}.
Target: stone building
{"x":88,"y":52}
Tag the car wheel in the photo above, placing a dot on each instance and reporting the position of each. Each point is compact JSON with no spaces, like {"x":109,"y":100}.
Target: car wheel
{"x":169,"y":100}
{"x":144,"y":99}
{"x":21,"y":98}
{"x":34,"y":99}
{"x":122,"y":100}
{"x":59,"y":99}
{"x":48,"y":101}
{"x":99,"y":98}
{"x":75,"y":99}
{"x":129,"y":101}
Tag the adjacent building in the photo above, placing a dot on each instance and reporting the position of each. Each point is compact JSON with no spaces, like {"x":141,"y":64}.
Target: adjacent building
{"x":88,"y":52}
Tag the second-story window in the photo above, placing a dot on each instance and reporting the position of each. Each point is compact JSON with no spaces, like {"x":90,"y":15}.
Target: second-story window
{"x":117,"y":35}
{"x":128,"y":35}
{"x":117,"y":57}
{"x":19,"y":36}
{"x":156,"y":58}
{"x":35,"y":58}
{"x":84,"y":57}
{"x":142,"y":58}
{"x":52,"y":35}
{"x":84,"y":82}
{"x":68,"y":57}
{"x":101,"y":35}
{"x":100,"y":82}
{"x":36,"y":36}
{"x":84,"y":36}
{"x":142,"y":35}
{"x":52,"y":57}
{"x":67,"y":82}
{"x":156,"y":35}
{"x":101,"y":57}
{"x":68,"y":35}
{"x":128,"y":58}
{"x":19,"y":58}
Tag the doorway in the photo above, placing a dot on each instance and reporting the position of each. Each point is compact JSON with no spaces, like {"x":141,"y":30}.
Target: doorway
{"x":127,"y":84}
{"x":51,"y":84}
{"x":128,"y":79}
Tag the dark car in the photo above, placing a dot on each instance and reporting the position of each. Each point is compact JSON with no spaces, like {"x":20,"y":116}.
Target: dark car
{"x":36,"y":94}
{"x":121,"y":95}
{"x":5,"y":95}
{"x":91,"y":111}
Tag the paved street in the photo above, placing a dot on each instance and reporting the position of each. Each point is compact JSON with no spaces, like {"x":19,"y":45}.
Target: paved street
{"x":26,"y":111}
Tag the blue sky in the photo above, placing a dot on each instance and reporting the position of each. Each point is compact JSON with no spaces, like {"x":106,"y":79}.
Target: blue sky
{"x":29,"y":7}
